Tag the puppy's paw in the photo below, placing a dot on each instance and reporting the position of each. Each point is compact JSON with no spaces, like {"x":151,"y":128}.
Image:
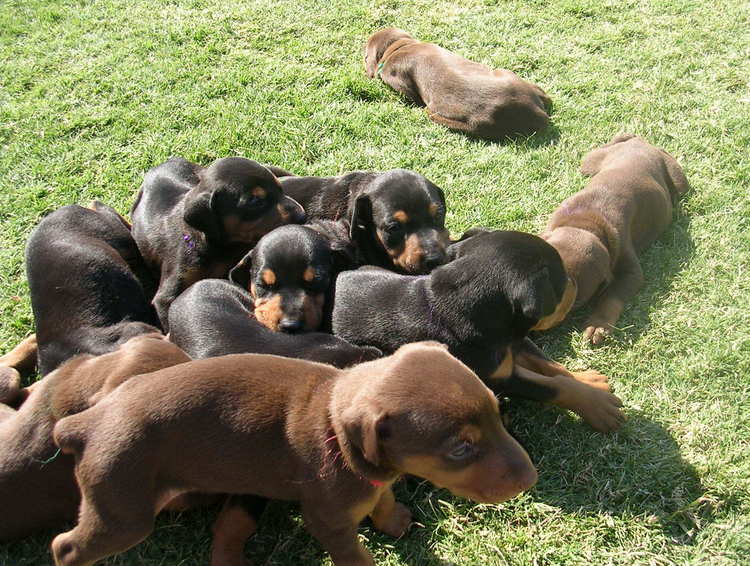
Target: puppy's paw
{"x":593,"y":378}
{"x":10,"y":385}
{"x":601,"y":410}
{"x":397,"y":523}
{"x":596,"y":334}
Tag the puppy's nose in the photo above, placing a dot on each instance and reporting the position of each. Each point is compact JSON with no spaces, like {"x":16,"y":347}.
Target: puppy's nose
{"x":290,"y":326}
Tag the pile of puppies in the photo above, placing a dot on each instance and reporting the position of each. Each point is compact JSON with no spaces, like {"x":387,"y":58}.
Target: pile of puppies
{"x":166,"y":347}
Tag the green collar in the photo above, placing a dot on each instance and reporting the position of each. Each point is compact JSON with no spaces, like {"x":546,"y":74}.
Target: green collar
{"x":380,"y":68}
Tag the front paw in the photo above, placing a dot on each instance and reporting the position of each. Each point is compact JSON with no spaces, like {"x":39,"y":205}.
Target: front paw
{"x":601,"y":409}
{"x":397,"y":523}
{"x":593,"y":378}
{"x":596,"y":334}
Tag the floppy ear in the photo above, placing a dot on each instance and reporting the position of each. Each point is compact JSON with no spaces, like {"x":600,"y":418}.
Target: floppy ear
{"x":366,"y":427}
{"x":361,"y":219}
{"x":676,"y":180}
{"x":199,"y":214}
{"x":534,"y":298}
{"x":240,"y":273}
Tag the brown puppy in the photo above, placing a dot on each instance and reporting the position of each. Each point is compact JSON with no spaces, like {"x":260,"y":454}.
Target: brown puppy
{"x":287,"y":429}
{"x":458,"y":93}
{"x":600,"y":230}
{"x":37,"y":486}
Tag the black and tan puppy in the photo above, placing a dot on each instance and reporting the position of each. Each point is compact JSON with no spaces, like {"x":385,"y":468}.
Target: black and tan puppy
{"x":600,"y":230}
{"x":458,"y":93}
{"x":214,"y":318}
{"x":37,"y":486}
{"x":83,"y":269}
{"x":287,"y":429}
{"x":192,"y":222}
{"x":291,"y":271}
{"x":497,"y":287}
{"x":397,"y":217}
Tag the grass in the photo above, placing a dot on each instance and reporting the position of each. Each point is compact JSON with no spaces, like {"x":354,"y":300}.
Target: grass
{"x":92,"y":94}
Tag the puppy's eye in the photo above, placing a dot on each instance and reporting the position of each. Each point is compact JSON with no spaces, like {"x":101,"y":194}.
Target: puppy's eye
{"x":463,"y":451}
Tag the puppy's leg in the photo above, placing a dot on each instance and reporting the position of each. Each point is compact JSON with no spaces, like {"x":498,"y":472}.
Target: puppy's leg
{"x":530,"y":356}
{"x":10,"y":385}
{"x":390,"y":516}
{"x":596,"y":406}
{"x":105,"y":529}
{"x":628,"y":279}
{"x":336,"y":530}
{"x":23,"y":356}
{"x":237,"y":522}
{"x":449,"y":123}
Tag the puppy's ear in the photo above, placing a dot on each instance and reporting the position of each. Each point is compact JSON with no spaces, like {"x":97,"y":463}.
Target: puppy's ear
{"x":240,"y":274}
{"x":361,"y":219}
{"x":199,"y":214}
{"x":366,"y":427}
{"x":676,"y":180}
{"x":533,"y":299}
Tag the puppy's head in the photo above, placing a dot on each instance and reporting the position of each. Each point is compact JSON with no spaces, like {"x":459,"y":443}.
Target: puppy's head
{"x":288,"y":274}
{"x":423,"y":412}
{"x":377,"y":44}
{"x":507,"y":282}
{"x":401,"y":215}
{"x":237,"y":201}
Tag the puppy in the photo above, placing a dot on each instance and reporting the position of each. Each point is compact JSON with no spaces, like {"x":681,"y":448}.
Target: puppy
{"x":497,"y":287}
{"x":191,"y":222}
{"x":287,"y":429}
{"x":37,"y":486}
{"x":397,"y":217}
{"x":458,"y":93}
{"x":89,"y":289}
{"x":600,"y":230}
{"x":214,"y":318}
{"x":291,"y":271}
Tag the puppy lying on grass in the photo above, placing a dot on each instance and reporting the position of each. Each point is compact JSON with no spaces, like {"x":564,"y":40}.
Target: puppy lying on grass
{"x":600,"y":230}
{"x":458,"y":93}
{"x":287,"y":429}
{"x":37,"y":486}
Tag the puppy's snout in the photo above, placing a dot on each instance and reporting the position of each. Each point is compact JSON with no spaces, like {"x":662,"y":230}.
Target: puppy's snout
{"x":433,"y":259}
{"x":291,"y":326}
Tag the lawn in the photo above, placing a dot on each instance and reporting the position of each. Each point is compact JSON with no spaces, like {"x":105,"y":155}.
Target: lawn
{"x":92,"y":94}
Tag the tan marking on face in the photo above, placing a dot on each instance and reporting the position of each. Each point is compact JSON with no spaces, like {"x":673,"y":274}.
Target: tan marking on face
{"x":283,"y":214}
{"x":410,"y":258}
{"x":250,"y":231}
{"x":401,"y":216}
{"x":563,"y":307}
{"x":309,"y":274}
{"x":259,"y":192}
{"x":268,"y":312}
{"x":433,"y":209}
{"x":312,"y":310}
{"x":268,"y":276}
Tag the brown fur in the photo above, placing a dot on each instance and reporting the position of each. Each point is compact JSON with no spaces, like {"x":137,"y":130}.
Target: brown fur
{"x":286,"y":429}
{"x":600,"y":230}
{"x":22,"y":357}
{"x":458,"y":93}
{"x":37,"y":486}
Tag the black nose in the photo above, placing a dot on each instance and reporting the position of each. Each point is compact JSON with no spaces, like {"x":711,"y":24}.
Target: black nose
{"x":290,"y":326}
{"x":431,"y":261}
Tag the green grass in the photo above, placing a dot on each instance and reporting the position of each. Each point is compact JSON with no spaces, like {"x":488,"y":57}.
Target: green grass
{"x":92,"y":94}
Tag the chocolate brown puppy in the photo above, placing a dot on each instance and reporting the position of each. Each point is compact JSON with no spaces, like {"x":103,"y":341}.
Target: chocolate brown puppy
{"x":396,"y":217}
{"x":37,"y":486}
{"x":458,"y":93}
{"x":90,"y":290}
{"x":600,"y":230}
{"x":287,"y":429}
{"x":482,"y":304}
{"x":192,"y":222}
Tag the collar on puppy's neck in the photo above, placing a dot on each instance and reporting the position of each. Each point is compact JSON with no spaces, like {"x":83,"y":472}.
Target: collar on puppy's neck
{"x":380,"y":68}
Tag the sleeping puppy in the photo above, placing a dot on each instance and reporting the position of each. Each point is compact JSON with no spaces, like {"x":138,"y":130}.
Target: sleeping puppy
{"x":192,"y":222}
{"x":37,"y":486}
{"x":458,"y":93}
{"x":83,"y":269}
{"x":291,"y":271}
{"x":334,"y":440}
{"x":497,"y":287}
{"x":600,"y":230}
{"x":397,"y":217}
{"x":214,"y":318}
